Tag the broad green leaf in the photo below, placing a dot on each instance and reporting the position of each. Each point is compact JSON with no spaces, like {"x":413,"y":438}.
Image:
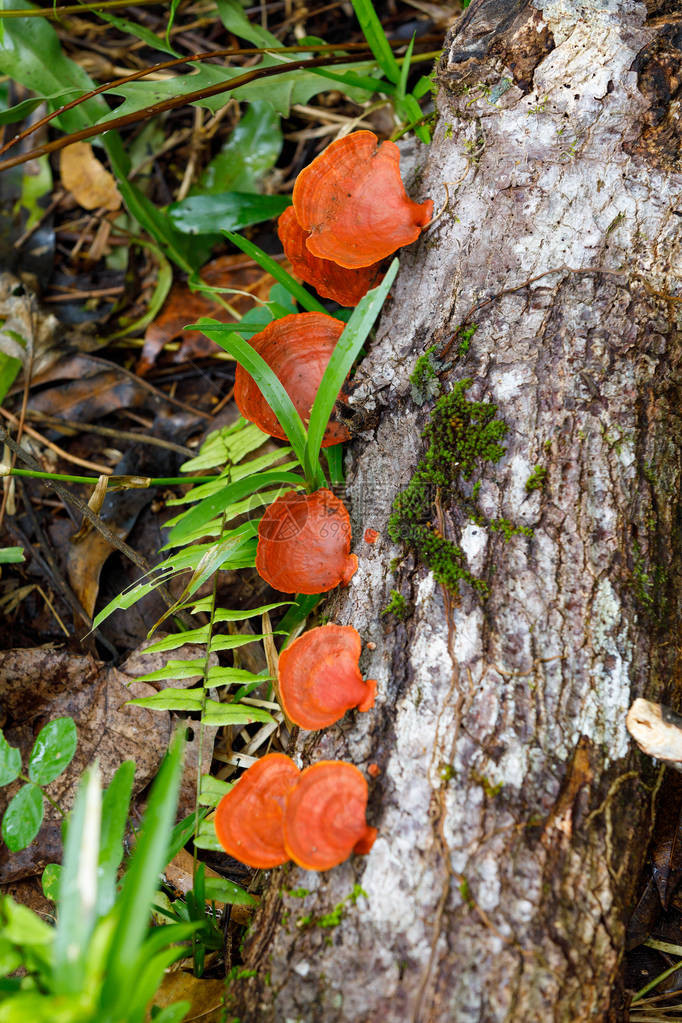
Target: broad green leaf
{"x":302,"y":607}
{"x":78,"y":886}
{"x":10,"y":958}
{"x":231,"y":13}
{"x":142,"y":880}
{"x":215,"y":505}
{"x":229,"y":446}
{"x":249,"y":153}
{"x":346,"y":351}
{"x":271,"y":266}
{"x":9,"y":370}
{"x":334,"y":456}
{"x":250,"y":506}
{"x":373,"y":32}
{"x":213,"y":789}
{"x":174,"y":1013}
{"x":10,"y":761}
{"x":23,"y":817}
{"x":185,"y":700}
{"x":22,"y":926}
{"x":115,"y":807}
{"x":227,"y":211}
{"x":50,"y":881}
{"x":219,"y":889}
{"x":53,"y":750}
{"x":217,"y":714}
{"x":232,"y":474}
{"x":223,"y":615}
{"x":32,"y":55}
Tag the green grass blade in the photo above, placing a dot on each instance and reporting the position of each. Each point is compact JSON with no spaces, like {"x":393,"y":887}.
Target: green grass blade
{"x":271,"y":389}
{"x":405,"y":70}
{"x":115,"y":805}
{"x":302,"y":296}
{"x":376,"y":37}
{"x":78,"y":887}
{"x":339,"y":366}
{"x":141,"y":882}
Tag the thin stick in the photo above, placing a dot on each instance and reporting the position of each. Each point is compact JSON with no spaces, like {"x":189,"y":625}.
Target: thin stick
{"x":103,"y":470}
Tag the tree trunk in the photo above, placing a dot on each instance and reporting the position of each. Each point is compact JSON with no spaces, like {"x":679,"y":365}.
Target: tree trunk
{"x":513,"y":812}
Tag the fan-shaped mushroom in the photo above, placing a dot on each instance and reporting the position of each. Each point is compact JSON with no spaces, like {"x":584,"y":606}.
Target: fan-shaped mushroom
{"x":352,"y":201}
{"x":324,"y":816}
{"x":297,"y":348}
{"x":304,"y":543}
{"x":329,"y":279}
{"x":319,"y":677}
{"x":248,"y":820}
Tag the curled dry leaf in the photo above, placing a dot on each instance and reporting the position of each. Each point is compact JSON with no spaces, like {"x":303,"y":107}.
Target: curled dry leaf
{"x":88,"y":180}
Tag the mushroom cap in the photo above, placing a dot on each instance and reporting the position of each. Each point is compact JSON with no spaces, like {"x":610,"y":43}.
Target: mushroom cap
{"x":304,"y":543}
{"x":329,"y":279}
{"x":352,"y":200}
{"x":297,"y":348}
{"x":319,"y":677}
{"x":324,"y":816}
{"x":248,"y":820}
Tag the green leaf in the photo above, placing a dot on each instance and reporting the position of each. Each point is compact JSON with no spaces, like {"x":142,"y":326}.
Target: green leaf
{"x":302,"y":607}
{"x":141,"y":881}
{"x":9,"y":370}
{"x":115,"y":807}
{"x":22,"y":926}
{"x":206,"y":838}
{"x":222,"y":615}
{"x":271,"y":266}
{"x":346,"y":351}
{"x":78,"y":886}
{"x":174,"y":1013}
{"x":405,"y":69}
{"x":219,"y":676}
{"x":270,"y":387}
{"x":213,"y":789}
{"x":10,"y":761}
{"x":219,"y":643}
{"x":376,"y":37}
{"x":218,"y":714}
{"x":50,"y":881}
{"x":231,"y":13}
{"x":173,"y":670}
{"x":219,"y":889}
{"x":177,"y":640}
{"x":53,"y":750}
{"x":139,"y":31}
{"x":185,"y":700}
{"x":181,"y":834}
{"x":199,"y":214}
{"x":210,"y":507}
{"x":249,"y":153}
{"x":23,"y":818}
{"x":334,"y":457}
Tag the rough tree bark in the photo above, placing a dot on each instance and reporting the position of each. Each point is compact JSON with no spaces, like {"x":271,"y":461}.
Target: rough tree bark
{"x":513,"y":813}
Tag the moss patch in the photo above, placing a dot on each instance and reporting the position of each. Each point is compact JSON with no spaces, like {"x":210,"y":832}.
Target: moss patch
{"x":462,"y":436}
{"x":397,"y":606}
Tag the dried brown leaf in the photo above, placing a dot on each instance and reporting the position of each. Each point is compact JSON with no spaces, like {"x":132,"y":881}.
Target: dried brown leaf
{"x":88,"y":180}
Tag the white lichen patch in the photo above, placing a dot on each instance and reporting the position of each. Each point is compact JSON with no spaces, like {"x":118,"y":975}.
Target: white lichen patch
{"x":474,"y":542}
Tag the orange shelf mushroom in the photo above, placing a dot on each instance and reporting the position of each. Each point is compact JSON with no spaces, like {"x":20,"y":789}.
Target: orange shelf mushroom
{"x":319,"y":677}
{"x":297,"y":348}
{"x":248,"y":820}
{"x":324,"y":817}
{"x":352,"y":201}
{"x":329,"y":279}
{"x":304,"y":543}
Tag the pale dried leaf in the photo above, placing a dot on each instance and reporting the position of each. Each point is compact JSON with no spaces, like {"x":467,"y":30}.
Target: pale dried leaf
{"x":88,"y":180}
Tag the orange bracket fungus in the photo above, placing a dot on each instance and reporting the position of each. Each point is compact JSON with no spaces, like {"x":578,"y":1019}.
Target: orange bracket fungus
{"x":319,"y":677}
{"x":324,"y":817}
{"x":352,"y":201}
{"x":304,"y":543}
{"x":248,"y":820}
{"x":297,"y":349}
{"x":329,"y":279}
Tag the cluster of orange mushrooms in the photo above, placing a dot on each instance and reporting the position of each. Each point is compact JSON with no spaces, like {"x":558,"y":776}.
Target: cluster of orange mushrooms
{"x":350,"y":212}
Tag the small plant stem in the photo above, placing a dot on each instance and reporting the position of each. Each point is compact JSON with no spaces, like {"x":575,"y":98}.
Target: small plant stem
{"x":657,"y":980}
{"x":138,"y":482}
{"x":49,"y":798}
